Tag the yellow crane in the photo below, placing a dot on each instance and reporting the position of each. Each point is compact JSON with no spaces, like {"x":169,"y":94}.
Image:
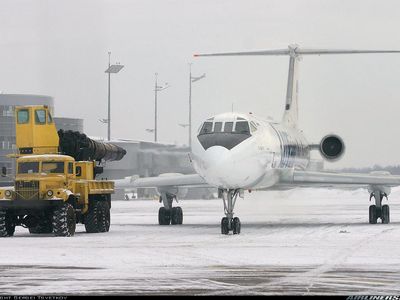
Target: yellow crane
{"x":53,"y":191}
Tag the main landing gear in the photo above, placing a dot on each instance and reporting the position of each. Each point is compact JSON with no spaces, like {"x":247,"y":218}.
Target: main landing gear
{"x":229,"y":223}
{"x":378,"y":210}
{"x":168,"y":214}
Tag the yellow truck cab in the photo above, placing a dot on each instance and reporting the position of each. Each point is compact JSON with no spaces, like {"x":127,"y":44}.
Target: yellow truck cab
{"x":52,"y":192}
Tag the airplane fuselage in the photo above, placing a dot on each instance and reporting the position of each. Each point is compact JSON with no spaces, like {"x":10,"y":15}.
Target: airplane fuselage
{"x":233,"y":150}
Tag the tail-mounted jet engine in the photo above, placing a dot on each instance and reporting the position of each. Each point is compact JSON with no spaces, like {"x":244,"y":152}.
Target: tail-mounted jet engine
{"x":331,"y":147}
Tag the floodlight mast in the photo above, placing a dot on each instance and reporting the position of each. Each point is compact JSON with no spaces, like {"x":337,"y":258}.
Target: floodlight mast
{"x":157,"y":89}
{"x":192,"y":79}
{"x":111,"y":69}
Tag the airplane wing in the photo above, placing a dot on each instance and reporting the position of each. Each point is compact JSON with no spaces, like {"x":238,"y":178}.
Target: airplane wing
{"x":289,"y":179}
{"x":165,"y":180}
{"x":338,"y":180}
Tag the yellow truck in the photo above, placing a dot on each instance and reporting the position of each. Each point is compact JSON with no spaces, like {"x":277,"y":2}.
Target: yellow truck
{"x":53,"y":192}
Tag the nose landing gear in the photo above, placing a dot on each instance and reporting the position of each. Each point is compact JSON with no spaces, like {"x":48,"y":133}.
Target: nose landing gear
{"x":378,"y":210}
{"x":229,"y":223}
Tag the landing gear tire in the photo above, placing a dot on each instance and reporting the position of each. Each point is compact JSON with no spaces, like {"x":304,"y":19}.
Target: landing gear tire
{"x":224,"y":225}
{"x":180,"y":215}
{"x":236,"y":225}
{"x":176,"y":216}
{"x":229,"y":223}
{"x":373,"y":217}
{"x":164,"y":216}
{"x":64,"y":220}
{"x":7,"y":226}
{"x":385,"y":214}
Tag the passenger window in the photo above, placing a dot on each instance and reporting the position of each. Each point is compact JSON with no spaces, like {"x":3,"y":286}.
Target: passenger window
{"x":23,"y":116}
{"x":207,"y":128}
{"x":70,"y":168}
{"x":242,"y":127}
{"x":49,"y":118}
{"x":218,"y":127}
{"x":228,"y":127}
{"x":78,"y":171}
{"x":40,"y":116}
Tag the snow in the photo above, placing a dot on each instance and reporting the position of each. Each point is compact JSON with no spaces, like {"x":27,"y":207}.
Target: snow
{"x":303,"y":241}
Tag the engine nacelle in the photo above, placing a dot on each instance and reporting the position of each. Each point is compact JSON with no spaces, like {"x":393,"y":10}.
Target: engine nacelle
{"x":331,"y":147}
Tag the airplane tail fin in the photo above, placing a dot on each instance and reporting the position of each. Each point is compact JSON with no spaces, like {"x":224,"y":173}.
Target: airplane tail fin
{"x":290,"y":116}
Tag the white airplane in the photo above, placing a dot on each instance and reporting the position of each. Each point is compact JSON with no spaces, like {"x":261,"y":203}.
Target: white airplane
{"x":236,"y":152}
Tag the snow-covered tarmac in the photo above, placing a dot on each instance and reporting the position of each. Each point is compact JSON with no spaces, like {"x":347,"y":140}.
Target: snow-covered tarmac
{"x":305,"y":241}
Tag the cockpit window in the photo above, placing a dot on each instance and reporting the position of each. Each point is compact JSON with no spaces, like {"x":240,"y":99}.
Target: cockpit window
{"x":53,"y":167}
{"x":23,"y":116}
{"x":207,"y":128}
{"x":253,"y":126}
{"x":28,"y":167}
{"x":242,"y":127}
{"x":212,"y":135}
{"x":228,"y":127}
{"x":218,"y":127}
{"x":40,"y":116}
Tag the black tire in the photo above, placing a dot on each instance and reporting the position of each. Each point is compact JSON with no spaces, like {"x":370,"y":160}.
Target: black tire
{"x":105,"y":217}
{"x":64,"y":220}
{"x":236,"y":225}
{"x":7,"y":226}
{"x":164,"y":216}
{"x":224,"y":225}
{"x":180,"y":215}
{"x":385,"y":214}
{"x":373,"y":214}
{"x":174,"y":216}
{"x":98,"y":217}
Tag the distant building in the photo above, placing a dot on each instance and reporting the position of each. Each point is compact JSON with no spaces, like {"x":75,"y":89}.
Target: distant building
{"x":152,"y":159}
{"x":148,"y":159}
{"x":69,"y":124}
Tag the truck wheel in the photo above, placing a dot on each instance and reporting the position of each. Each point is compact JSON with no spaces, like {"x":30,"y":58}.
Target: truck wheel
{"x":98,"y":217}
{"x":64,"y":220}
{"x":104,"y":217}
{"x":7,"y":226}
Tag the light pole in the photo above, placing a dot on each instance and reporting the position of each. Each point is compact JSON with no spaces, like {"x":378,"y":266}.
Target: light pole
{"x":184,"y":127}
{"x":111,"y":69}
{"x":192,"y":79}
{"x":157,"y":89}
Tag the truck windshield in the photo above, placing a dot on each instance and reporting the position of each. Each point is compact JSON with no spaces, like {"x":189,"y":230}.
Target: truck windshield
{"x":53,"y":167}
{"x":28,"y":167}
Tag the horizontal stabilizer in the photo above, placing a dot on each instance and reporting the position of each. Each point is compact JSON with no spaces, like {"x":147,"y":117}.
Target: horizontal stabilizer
{"x":290,"y":117}
{"x":294,"y":50}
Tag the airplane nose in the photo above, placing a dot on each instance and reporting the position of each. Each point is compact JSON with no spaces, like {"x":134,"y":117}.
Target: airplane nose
{"x":215,"y":156}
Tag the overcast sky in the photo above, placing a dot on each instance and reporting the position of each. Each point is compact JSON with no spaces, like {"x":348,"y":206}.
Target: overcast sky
{"x":59,"y":48}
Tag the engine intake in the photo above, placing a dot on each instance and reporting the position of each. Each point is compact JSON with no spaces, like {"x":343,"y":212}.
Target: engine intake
{"x":331,"y":147}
